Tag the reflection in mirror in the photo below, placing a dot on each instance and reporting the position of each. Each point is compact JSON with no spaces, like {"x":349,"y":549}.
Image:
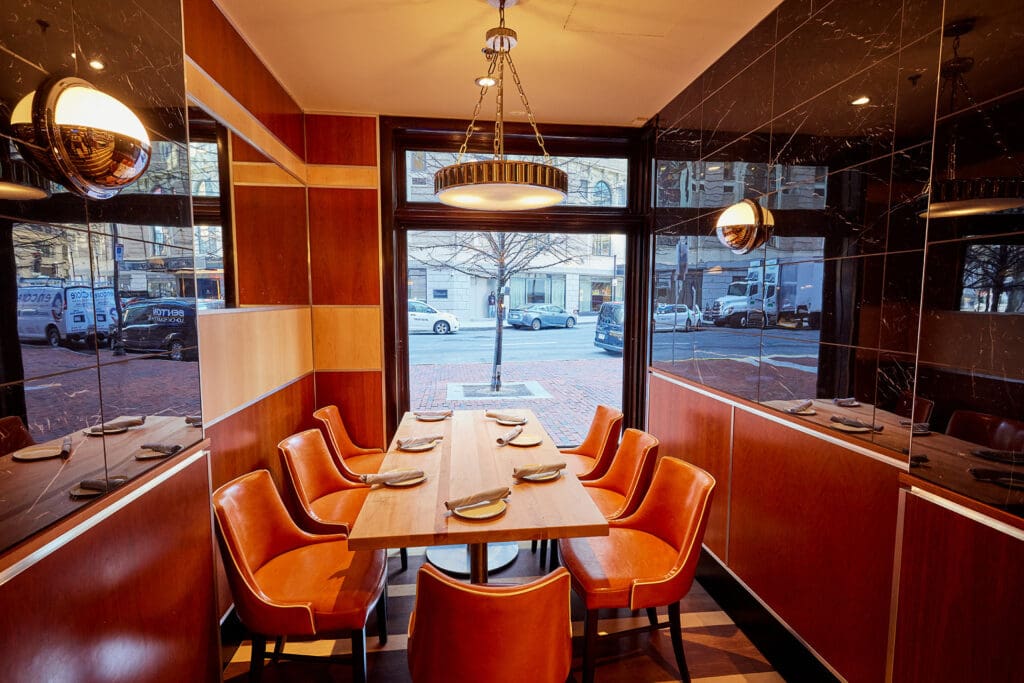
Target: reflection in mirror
{"x":209,"y":175}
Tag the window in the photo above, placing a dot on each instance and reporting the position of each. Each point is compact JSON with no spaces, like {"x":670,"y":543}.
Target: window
{"x":602,"y":245}
{"x":993,"y":278}
{"x":602,"y":194}
{"x":417,"y":283}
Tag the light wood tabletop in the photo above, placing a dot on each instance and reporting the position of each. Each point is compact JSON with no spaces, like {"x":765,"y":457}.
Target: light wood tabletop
{"x":465,"y":461}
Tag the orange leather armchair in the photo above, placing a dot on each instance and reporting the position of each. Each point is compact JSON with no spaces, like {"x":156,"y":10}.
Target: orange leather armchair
{"x":466,"y":633}
{"x":352,"y":460}
{"x":286,"y":582}
{"x":916,"y":408}
{"x":647,"y":560}
{"x":592,"y":458}
{"x":13,"y":435}
{"x":990,"y":431}
{"x":622,"y":487}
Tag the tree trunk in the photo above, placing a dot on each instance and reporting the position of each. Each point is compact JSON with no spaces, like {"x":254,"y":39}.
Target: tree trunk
{"x":499,"y":315}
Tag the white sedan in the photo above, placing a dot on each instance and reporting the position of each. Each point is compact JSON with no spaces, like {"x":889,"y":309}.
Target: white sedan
{"x":425,"y":318}
{"x":669,"y":317}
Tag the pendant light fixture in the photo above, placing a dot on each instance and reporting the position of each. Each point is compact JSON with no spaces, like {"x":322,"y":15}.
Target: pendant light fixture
{"x":952,"y":197}
{"x":744,"y":226}
{"x":500,"y":184}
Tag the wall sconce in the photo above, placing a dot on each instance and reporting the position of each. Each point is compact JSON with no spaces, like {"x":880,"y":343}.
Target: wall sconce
{"x":82,"y":138}
{"x":745,"y":226}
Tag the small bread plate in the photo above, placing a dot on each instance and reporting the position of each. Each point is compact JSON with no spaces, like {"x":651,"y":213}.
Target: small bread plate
{"x":486,"y":510}
{"x":849,"y":428}
{"x":920,"y":431}
{"x":805,"y":411}
{"x":418,"y":449}
{"x":526,"y":440}
{"x":38,"y":452}
{"x":543,"y":476}
{"x":99,"y":430}
{"x":430,"y":418}
{"x":512,"y":423}
{"x":407,"y":482}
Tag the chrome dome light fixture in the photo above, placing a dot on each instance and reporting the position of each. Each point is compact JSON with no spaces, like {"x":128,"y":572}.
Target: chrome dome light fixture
{"x":81,"y":137}
{"x":500,"y":184}
{"x":744,"y":226}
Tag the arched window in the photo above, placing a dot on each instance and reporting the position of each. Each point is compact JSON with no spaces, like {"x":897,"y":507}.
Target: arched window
{"x":602,"y":194}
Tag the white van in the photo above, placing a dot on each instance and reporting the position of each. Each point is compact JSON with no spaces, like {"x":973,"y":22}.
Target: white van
{"x":55,"y":314}
{"x":106,"y":313}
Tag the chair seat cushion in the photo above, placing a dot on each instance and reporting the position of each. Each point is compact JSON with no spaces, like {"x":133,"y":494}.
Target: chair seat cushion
{"x":578,"y":464}
{"x":340,"y":585}
{"x":607,"y":501}
{"x":340,"y":507}
{"x":603,"y":568}
{"x":365,"y":464}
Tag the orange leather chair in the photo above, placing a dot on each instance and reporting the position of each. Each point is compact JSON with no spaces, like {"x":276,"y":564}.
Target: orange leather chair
{"x":990,"y":431}
{"x":622,"y":487}
{"x":352,"y":460}
{"x":592,"y":458}
{"x":466,"y":633}
{"x":330,"y":503}
{"x":647,"y":560}
{"x":286,"y":582}
{"x":13,"y":434}
{"x":917,"y":409}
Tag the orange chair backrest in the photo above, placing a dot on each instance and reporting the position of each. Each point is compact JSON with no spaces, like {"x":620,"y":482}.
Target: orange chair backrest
{"x":675,"y":510}
{"x":991,"y":431}
{"x":330,"y":418}
{"x":466,"y":633}
{"x":253,"y":528}
{"x":916,"y":408}
{"x":311,"y":468}
{"x":13,"y":434}
{"x":603,"y":437}
{"x":630,"y":471}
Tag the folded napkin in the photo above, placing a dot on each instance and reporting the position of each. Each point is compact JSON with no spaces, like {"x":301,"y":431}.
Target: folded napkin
{"x":416,"y":441}
{"x":67,"y":448}
{"x":432,"y":413}
{"x":504,"y":417}
{"x":164,"y":448}
{"x":850,"y":402}
{"x":125,"y":422}
{"x":854,"y":422}
{"x":1008,"y":457}
{"x":509,"y":435}
{"x":194,"y":420}
{"x":488,"y":496}
{"x":533,"y":470}
{"x":102,"y":484}
{"x":391,"y":477}
{"x":799,"y":408}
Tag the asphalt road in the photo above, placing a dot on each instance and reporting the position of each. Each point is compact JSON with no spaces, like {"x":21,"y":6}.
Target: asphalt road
{"x":477,"y":346}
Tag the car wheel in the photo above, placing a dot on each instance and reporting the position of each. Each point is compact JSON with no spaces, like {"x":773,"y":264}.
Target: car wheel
{"x":176,"y":350}
{"x":441,"y":327}
{"x":53,"y":337}
{"x":741,"y":321}
{"x":535,"y":324}
{"x":570,"y":322}
{"x":688,"y":326}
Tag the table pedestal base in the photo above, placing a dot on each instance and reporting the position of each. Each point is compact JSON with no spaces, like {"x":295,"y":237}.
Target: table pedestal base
{"x":476,"y":560}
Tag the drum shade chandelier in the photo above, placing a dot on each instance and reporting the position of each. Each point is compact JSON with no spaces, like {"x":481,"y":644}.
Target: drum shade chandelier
{"x":82,"y":138}
{"x":500,"y":184}
{"x":744,"y":226}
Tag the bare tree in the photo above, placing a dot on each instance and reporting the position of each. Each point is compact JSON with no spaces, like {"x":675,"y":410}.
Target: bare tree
{"x":495,"y":256}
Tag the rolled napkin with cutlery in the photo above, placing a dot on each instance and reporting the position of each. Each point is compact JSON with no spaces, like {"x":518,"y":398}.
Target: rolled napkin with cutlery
{"x":850,"y":402}
{"x":162,"y":448}
{"x":504,"y":417}
{"x":194,"y":420}
{"x":489,"y":496}
{"x":854,"y":422}
{"x":396,"y":477}
{"x":534,"y":470}
{"x":801,"y":407}
{"x":432,"y":413}
{"x":118,"y":424}
{"x":509,"y":435}
{"x":417,"y":441}
{"x":102,"y":484}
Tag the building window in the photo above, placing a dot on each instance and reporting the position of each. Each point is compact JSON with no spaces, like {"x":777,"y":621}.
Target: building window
{"x":418,"y":283}
{"x":602,"y":194}
{"x":602,"y":245}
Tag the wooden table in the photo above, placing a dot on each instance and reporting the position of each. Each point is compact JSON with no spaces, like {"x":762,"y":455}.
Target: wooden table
{"x":467,"y":460}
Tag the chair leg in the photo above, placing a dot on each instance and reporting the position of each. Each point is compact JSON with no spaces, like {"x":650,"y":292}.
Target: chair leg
{"x":589,"y":645}
{"x":259,"y":650}
{"x":533,"y":546}
{"x":676,"y":629}
{"x":553,"y":564}
{"x":652,"y":616}
{"x":543,"y":553}
{"x":403,"y":555}
{"x":278,"y":648}
{"x":382,"y":616}
{"x":359,"y":655}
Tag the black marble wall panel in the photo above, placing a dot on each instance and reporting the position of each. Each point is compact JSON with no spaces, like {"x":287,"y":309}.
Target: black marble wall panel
{"x":138,"y":244}
{"x":910,"y":303}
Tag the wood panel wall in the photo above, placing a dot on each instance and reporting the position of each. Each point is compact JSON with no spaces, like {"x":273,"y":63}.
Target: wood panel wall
{"x":130,"y":599}
{"x":271,"y":245}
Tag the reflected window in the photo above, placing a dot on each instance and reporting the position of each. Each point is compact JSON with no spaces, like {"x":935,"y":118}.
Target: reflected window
{"x":993,"y":278}
{"x":205,"y":278}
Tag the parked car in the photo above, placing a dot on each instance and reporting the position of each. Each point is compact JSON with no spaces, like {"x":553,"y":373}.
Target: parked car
{"x":159,"y":325}
{"x":676,"y":317}
{"x":608,"y":331}
{"x":536,"y":316}
{"x":425,"y":318}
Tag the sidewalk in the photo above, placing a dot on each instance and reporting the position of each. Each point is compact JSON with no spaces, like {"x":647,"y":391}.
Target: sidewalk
{"x":488,"y":323}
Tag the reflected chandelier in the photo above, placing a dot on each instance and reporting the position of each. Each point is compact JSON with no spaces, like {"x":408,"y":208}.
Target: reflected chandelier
{"x":499,"y":184}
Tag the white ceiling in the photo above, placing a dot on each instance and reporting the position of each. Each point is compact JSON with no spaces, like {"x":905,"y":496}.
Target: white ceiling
{"x":614,"y":62}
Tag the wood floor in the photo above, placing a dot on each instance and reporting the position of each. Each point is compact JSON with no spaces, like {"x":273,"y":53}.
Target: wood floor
{"x":716,"y":650}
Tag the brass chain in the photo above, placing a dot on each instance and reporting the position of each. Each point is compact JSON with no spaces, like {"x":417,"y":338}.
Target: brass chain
{"x":492,"y":62}
{"x":529,"y":111}
{"x":499,"y":119}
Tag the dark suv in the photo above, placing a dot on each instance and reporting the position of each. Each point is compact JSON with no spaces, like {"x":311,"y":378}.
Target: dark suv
{"x":161,"y":325}
{"x":608,"y":332}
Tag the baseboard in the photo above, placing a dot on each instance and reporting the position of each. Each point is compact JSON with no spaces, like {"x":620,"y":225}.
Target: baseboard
{"x":787,"y":655}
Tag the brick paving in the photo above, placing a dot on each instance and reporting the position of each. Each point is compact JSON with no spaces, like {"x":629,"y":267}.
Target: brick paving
{"x":575,"y":386}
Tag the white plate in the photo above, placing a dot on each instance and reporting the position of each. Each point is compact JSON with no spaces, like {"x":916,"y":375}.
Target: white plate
{"x":512,"y":423}
{"x":430,"y":418}
{"x":849,"y":428}
{"x":98,"y":430}
{"x":38,"y":452}
{"x":526,"y":440}
{"x":481,"y":510}
{"x":418,"y":449}
{"x":805,"y":411}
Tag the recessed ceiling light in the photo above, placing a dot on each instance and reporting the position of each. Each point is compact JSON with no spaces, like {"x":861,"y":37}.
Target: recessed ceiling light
{"x":97,"y":64}
{"x":860,"y":101}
